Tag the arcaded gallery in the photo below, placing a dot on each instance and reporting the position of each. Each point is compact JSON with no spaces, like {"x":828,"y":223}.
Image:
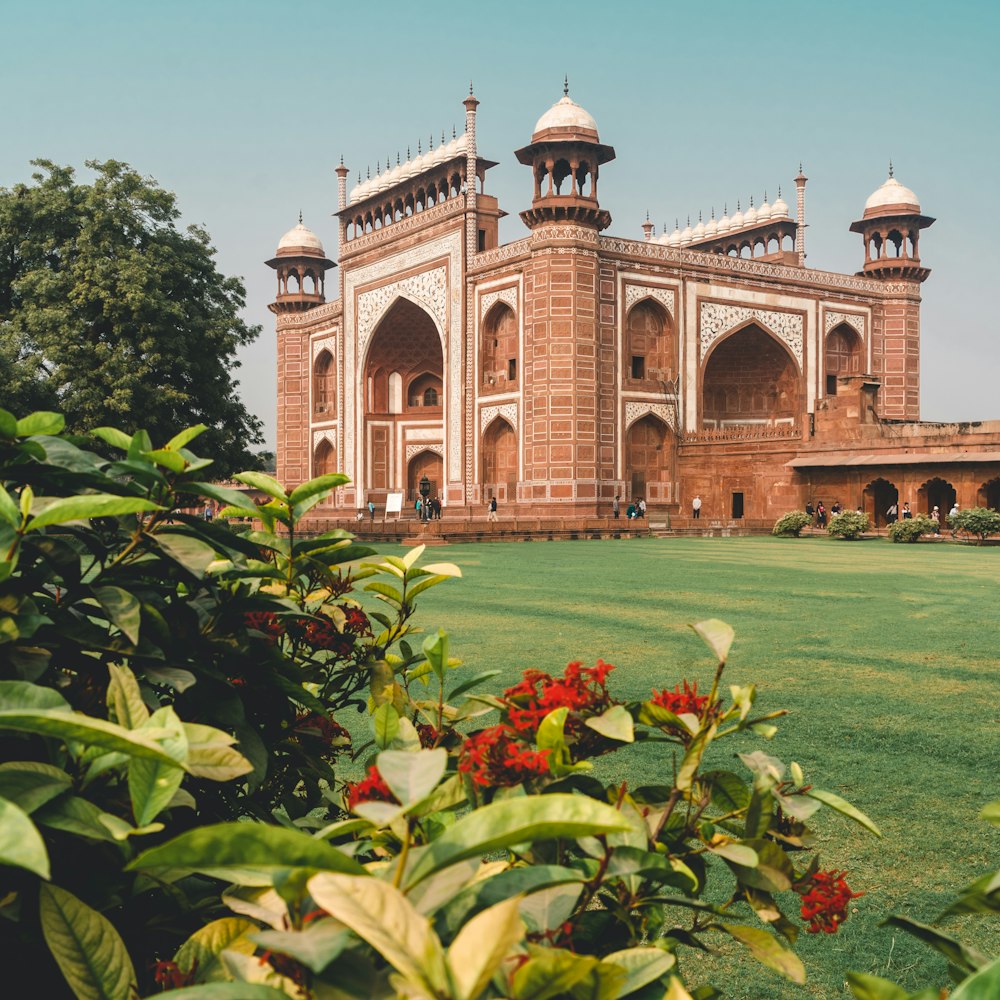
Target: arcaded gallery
{"x":567,"y":367}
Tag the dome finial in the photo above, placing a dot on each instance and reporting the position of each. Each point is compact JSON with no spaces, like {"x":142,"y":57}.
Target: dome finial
{"x":890,"y":167}
{"x":566,"y":85}
{"x":470,"y":88}
{"x":765,"y":194}
{"x":647,"y":215}
{"x":300,"y":216}
{"x":341,"y":159}
{"x":454,"y":134}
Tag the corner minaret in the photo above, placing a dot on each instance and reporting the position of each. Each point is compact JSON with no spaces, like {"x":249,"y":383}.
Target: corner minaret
{"x":891,"y":226}
{"x":301,"y":264}
{"x":565,"y":156}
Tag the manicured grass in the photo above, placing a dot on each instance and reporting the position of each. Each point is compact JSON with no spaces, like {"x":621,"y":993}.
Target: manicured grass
{"x":885,"y":656}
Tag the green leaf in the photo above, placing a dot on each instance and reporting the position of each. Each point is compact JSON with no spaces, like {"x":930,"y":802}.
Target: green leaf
{"x":481,"y":946}
{"x":729,"y":792}
{"x":228,"y":991}
{"x":222,"y":494}
{"x":316,"y":487}
{"x":76,"y":815}
{"x":642,"y":966}
{"x":768,"y":951}
{"x":385,"y":590}
{"x":991,"y":813}
{"x":772,"y":871}
{"x":266,"y":484}
{"x":210,"y":754}
{"x":89,"y":951}
{"x":717,"y":635}
{"x":981,"y":896}
{"x":74,"y":727}
{"x":386,"y":920}
{"x":40,"y":423}
{"x":692,"y":758}
{"x":386,"y":724}
{"x":21,"y":844}
{"x":966,"y":958}
{"x":8,"y":424}
{"x":9,"y":510}
{"x":152,"y":783}
{"x":30,"y":784}
{"x":192,"y":553}
{"x":738,"y":854}
{"x":125,"y":704}
{"x":550,"y":973}
{"x":113,"y":436}
{"x":516,"y":821}
{"x":89,"y":505}
{"x":866,"y":987}
{"x":985,"y":983}
{"x":315,"y":947}
{"x":614,"y":724}
{"x":185,"y":437}
{"x":843,"y":806}
{"x":435,"y":648}
{"x":167,"y":459}
{"x":206,"y":945}
{"x":412,"y":776}
{"x":224,"y":846}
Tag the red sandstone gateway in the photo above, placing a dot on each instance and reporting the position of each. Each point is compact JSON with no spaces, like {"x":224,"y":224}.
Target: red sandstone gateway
{"x":567,"y":367}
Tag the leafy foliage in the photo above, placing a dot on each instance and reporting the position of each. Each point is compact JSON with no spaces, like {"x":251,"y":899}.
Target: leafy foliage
{"x":174,"y":812}
{"x":849,"y":525}
{"x":791,"y":524}
{"x":113,"y":315}
{"x":980,"y":522}
{"x":910,"y":529}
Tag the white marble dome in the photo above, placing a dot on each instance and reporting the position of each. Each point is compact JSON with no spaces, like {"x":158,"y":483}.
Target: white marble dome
{"x":779,"y":210}
{"x":892,"y":193}
{"x":300,"y":236}
{"x":566,"y":113}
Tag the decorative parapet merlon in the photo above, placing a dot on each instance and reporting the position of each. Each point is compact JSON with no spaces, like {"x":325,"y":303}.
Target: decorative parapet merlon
{"x":743,"y":432}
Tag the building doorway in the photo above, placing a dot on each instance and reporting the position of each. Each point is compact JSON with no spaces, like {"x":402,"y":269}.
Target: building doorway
{"x":879,"y":496}
{"x":936,"y":493}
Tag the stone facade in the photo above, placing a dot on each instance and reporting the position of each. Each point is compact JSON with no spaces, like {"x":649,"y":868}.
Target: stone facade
{"x":568,"y":367}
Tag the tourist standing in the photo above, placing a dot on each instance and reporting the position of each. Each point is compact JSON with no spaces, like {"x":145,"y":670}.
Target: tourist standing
{"x":616,"y":507}
{"x":641,"y":505}
{"x":907,"y":513}
{"x":811,"y":511}
{"x":371,"y":511}
{"x":820,"y":514}
{"x":696,"y":507}
{"x":492,"y":515}
{"x":891,"y":514}
{"x":936,"y":518}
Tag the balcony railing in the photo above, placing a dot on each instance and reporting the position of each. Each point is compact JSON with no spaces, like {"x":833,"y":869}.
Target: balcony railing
{"x":743,"y":432}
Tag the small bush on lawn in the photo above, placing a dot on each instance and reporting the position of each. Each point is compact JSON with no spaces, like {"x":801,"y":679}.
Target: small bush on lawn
{"x":910,"y":529}
{"x":849,"y":525}
{"x":979,"y":521}
{"x":791,"y":524}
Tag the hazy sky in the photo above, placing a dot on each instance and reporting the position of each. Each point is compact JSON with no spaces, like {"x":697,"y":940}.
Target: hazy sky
{"x":244,"y":108}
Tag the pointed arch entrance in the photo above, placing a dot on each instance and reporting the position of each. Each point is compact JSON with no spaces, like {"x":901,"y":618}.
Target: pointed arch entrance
{"x":325,"y":458}
{"x":649,"y":452}
{"x":650,"y":345}
{"x":843,"y":355}
{"x":428,"y":464}
{"x":403,"y":387}
{"x":879,"y":495}
{"x":750,"y":378}
{"x":989,"y":494}
{"x":938,"y":493}
{"x":498,"y":461}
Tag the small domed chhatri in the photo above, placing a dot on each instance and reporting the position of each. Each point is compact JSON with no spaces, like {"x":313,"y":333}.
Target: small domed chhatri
{"x":565,"y":119}
{"x":892,"y":195}
{"x":300,"y":237}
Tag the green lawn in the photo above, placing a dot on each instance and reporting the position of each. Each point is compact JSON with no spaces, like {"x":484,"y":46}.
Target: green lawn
{"x":885,"y":656}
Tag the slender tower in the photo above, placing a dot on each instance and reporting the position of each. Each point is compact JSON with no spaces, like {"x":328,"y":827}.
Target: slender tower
{"x":800,"y":213}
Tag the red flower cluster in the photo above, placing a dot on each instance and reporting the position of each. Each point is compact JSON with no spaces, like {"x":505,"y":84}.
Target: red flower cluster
{"x":371,"y":788}
{"x":825,"y":897}
{"x":582,"y":690}
{"x":680,"y":702}
{"x":356,"y":621}
{"x":322,"y":727}
{"x":497,"y":758}
{"x":170,"y":976}
{"x":267,"y":622}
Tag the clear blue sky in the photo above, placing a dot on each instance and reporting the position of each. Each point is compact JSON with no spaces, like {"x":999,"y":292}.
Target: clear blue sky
{"x":244,"y":108}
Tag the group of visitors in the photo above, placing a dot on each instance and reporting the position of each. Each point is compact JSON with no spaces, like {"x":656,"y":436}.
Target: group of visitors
{"x":637,"y":508}
{"x":428,"y":508}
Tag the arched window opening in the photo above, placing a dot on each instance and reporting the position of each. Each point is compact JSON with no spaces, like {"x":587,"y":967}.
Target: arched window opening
{"x":498,"y":349}
{"x":324,"y":385}
{"x":395,"y":392}
{"x":989,"y":494}
{"x":649,"y":454}
{"x":424,"y":391}
{"x":650,"y":349}
{"x":757,"y":377}
{"x":429,"y":464}
{"x":560,"y":172}
{"x":843,"y":355}
{"x":938,"y":493}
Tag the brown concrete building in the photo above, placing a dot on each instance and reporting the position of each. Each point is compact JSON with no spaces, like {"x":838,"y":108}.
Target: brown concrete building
{"x":568,"y":367}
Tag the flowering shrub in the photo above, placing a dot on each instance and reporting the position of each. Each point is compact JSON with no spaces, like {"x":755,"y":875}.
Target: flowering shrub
{"x":911,"y":529}
{"x":791,"y":524}
{"x":849,"y":525}
{"x":479,"y":855}
{"x":979,"y":522}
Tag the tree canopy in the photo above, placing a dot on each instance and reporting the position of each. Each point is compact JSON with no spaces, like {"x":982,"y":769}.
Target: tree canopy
{"x":114,"y":315}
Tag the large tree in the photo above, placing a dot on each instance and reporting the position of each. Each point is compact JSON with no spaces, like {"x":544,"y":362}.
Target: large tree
{"x":112,"y":314}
